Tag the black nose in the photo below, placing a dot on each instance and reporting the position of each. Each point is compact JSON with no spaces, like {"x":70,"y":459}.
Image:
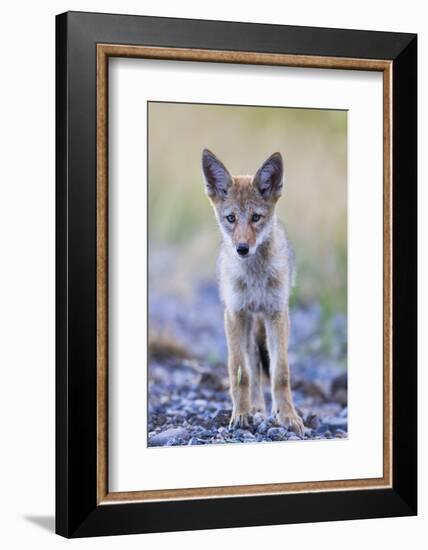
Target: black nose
{"x":242,"y":249}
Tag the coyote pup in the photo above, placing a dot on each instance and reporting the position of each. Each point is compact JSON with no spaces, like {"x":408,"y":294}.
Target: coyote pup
{"x":256,"y":269}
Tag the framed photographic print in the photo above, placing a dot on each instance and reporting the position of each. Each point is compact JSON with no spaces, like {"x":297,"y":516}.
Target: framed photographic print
{"x":236,"y":274}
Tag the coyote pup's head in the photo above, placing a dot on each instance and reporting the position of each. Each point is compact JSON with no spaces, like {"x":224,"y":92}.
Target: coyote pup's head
{"x":244,"y":205}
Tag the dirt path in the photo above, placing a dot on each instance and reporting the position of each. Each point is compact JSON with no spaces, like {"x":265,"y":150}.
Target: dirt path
{"x":189,"y":402}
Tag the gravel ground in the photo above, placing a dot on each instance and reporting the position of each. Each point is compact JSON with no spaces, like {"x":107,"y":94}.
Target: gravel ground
{"x":189,"y":401}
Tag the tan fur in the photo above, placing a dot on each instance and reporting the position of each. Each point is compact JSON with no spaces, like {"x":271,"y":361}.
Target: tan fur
{"x":255,"y":289}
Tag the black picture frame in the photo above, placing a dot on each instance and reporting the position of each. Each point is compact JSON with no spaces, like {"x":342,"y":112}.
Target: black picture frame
{"x":77,"y":511}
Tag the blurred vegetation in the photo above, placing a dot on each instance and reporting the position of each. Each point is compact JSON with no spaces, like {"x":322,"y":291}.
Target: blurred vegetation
{"x":183,"y":234}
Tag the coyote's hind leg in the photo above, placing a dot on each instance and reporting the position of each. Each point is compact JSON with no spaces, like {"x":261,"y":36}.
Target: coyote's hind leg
{"x":256,"y":338}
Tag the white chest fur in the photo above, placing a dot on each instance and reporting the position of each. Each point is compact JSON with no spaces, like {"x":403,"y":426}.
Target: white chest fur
{"x":254,"y":284}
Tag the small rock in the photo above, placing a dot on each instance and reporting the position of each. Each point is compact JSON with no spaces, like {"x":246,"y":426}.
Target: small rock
{"x":307,"y":432}
{"x":293,"y":437}
{"x":322,"y":428}
{"x":339,"y":382}
{"x":159,"y":419}
{"x":162,"y":438}
{"x":340,"y":434}
{"x":221,"y":418}
{"x":312,"y":421}
{"x":211,"y":380}
{"x":195,"y":441}
{"x":173,"y":441}
{"x":192,"y":395}
{"x":336,"y":423}
{"x":243,"y":434}
{"x":277,"y":434}
{"x":341,"y":396}
{"x":206,"y":433}
{"x":263,"y":427}
{"x":311,"y":389}
{"x":196,"y":428}
{"x":206,"y":415}
{"x":257,"y":419}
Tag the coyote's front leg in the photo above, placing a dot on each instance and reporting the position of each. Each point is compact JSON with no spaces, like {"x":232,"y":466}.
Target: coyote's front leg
{"x":236,"y":326}
{"x":277,"y":329}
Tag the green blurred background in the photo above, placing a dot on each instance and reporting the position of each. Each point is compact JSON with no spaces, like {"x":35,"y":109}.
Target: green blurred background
{"x":183,"y":236}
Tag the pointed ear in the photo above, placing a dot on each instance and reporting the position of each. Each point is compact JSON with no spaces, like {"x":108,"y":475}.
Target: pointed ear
{"x":268,"y":179}
{"x":217,"y":177}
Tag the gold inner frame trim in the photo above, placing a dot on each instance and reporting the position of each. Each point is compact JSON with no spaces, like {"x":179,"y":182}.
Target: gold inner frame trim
{"x":104,"y":51}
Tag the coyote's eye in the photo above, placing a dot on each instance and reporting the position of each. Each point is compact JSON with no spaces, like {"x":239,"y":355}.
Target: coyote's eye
{"x":255,"y":218}
{"x":231,"y":218}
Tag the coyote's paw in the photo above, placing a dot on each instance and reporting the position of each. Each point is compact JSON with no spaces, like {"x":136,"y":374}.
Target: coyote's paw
{"x":239,"y":421}
{"x":290,"y":420}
